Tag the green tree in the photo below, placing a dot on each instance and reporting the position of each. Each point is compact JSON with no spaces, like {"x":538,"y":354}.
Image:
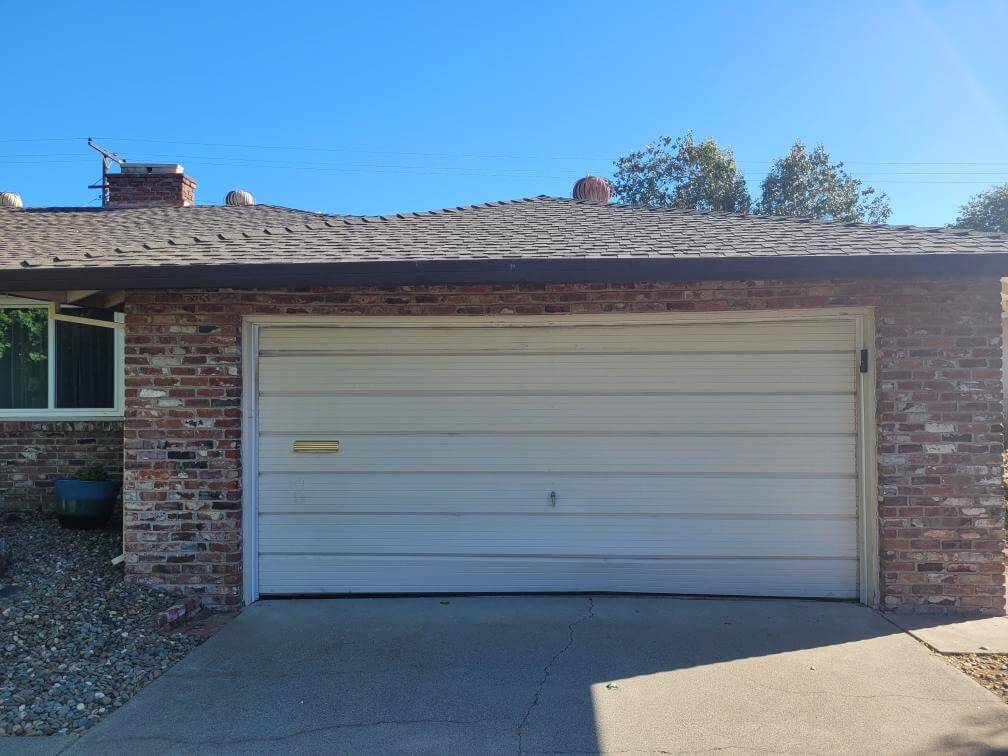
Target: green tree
{"x":987,"y":211}
{"x":682,"y":173}
{"x":23,"y":342}
{"x":25,"y":330}
{"x":808,"y":184}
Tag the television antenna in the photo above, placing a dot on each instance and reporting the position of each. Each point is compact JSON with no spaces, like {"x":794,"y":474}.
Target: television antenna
{"x":107,"y":159}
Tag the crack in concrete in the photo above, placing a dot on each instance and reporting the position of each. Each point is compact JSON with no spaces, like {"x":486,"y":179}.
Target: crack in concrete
{"x":297,"y":734}
{"x":548,"y":668}
{"x":66,"y":748}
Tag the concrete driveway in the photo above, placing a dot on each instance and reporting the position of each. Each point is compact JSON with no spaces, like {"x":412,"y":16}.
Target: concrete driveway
{"x":573,"y":674}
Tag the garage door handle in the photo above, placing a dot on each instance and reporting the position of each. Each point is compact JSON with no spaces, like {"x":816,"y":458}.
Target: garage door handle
{"x":316,"y":446}
{"x":552,"y":498}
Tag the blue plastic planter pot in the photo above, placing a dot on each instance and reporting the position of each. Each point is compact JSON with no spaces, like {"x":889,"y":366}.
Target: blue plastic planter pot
{"x":85,"y":504}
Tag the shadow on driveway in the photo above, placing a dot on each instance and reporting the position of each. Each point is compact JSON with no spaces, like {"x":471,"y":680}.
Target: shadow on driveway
{"x":557,"y":674}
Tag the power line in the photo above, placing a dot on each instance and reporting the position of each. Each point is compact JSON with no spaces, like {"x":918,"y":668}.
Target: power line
{"x":937,"y":183}
{"x":950,"y":177}
{"x":46,"y":139}
{"x":368,"y":151}
{"x":884,"y":162}
{"x":359,"y":150}
{"x":240,"y":161}
{"x":254,"y":162}
{"x":472,"y":172}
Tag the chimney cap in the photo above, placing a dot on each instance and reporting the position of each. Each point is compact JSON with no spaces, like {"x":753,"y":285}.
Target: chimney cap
{"x":10,"y":199}
{"x":147,"y":168}
{"x":239,"y":197}
{"x":592,"y":189}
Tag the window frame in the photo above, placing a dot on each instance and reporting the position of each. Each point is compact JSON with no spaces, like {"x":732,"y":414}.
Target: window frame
{"x":51,"y":411}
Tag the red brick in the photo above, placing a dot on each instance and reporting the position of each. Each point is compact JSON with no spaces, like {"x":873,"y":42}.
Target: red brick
{"x":938,"y":354}
{"x":32,"y":453}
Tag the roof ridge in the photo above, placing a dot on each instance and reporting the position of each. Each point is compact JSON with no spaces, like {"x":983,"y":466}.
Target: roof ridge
{"x":789,"y":218}
{"x":413,"y":214}
{"x":204,"y":238}
{"x":278,"y":207}
{"x":496,"y":204}
{"x":346,"y":220}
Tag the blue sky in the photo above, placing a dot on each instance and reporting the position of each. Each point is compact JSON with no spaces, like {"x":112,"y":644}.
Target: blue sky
{"x":415,"y":106}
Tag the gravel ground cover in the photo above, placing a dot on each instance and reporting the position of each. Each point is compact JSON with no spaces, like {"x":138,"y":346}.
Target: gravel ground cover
{"x":76,"y":642}
{"x":990,"y":670}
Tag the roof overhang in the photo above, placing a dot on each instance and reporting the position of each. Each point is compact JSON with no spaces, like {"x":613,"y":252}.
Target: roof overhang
{"x":523,"y":270}
{"x":101,"y":298}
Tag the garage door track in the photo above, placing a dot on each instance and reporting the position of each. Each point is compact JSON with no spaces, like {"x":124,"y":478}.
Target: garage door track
{"x":547,"y":674}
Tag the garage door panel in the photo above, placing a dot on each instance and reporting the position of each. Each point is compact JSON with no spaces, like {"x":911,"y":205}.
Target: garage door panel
{"x":686,"y":457}
{"x":678,"y":413}
{"x":617,"y":536}
{"x":564,"y":374}
{"x":832,"y":578}
{"x":823,"y":455}
{"x":822,"y":336}
{"x":660,"y":494}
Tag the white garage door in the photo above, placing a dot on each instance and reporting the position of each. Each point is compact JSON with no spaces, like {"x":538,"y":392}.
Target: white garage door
{"x":585,"y":454}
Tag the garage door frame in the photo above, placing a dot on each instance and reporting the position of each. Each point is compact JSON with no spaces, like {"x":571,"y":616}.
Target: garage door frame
{"x":866,"y":442}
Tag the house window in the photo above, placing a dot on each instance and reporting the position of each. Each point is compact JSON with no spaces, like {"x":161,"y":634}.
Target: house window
{"x":56,"y":367}
{"x":24,"y":359}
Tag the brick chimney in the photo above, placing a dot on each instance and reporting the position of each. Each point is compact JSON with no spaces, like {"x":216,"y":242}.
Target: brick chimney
{"x":150,"y":185}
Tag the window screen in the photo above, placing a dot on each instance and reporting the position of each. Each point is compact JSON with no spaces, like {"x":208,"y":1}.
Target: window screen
{"x":85,"y":363}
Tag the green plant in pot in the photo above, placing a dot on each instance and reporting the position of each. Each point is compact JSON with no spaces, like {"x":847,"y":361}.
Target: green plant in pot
{"x":88,"y":499}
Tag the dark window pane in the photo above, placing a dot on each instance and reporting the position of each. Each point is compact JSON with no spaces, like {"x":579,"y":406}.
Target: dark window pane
{"x":85,"y":363}
{"x":23,"y":372}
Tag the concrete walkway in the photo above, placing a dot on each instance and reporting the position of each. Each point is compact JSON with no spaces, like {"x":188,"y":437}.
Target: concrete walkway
{"x":576,"y":674}
{"x":44,"y":745}
{"x":956,"y":635}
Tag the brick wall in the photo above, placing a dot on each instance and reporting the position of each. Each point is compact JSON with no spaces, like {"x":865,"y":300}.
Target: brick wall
{"x":154,"y":189}
{"x":939,"y":407}
{"x":32,"y":453}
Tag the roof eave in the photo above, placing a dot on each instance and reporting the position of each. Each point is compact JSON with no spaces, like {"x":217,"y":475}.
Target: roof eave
{"x":520,"y":270}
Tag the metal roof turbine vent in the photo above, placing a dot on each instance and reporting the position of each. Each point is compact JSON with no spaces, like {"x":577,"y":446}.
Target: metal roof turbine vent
{"x":238,"y":198}
{"x":592,"y":189}
{"x":10,"y":199}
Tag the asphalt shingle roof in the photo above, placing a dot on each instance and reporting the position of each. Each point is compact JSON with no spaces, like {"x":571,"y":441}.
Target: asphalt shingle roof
{"x":37,"y":235}
{"x":538,"y":230}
